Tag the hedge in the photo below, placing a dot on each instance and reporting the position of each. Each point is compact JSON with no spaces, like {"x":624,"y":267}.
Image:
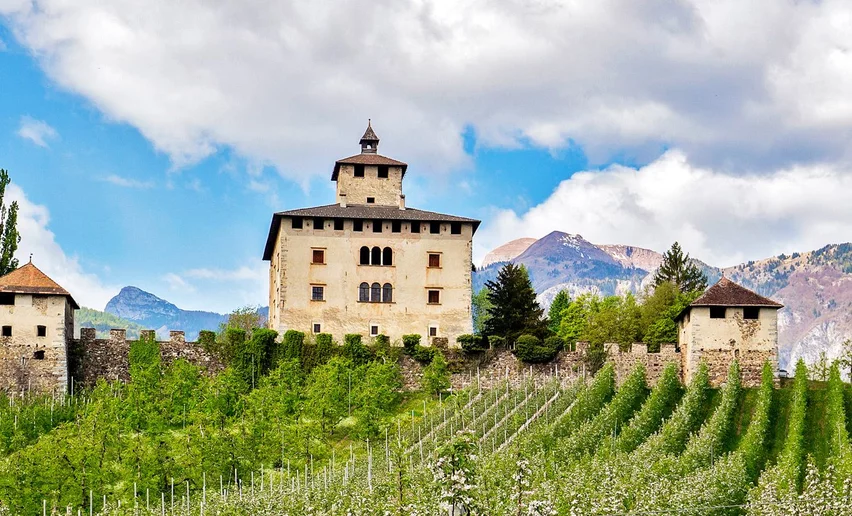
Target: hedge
{"x":529,"y":348}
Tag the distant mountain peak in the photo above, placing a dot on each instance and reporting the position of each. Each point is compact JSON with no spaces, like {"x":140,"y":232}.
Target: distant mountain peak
{"x":508,"y":251}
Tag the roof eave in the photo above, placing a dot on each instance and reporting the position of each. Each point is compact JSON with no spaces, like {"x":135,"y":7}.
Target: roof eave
{"x":274,"y":227}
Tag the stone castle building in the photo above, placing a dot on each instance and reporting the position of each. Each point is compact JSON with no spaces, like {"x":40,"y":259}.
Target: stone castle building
{"x":368,"y":264}
{"x":729,"y":321}
{"x":36,"y":329}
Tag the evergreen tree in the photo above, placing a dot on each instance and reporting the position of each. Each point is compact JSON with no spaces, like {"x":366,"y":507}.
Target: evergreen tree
{"x":677,"y":268}
{"x":479,"y":307}
{"x":9,"y":237}
{"x":514,"y":310}
{"x":557,"y":310}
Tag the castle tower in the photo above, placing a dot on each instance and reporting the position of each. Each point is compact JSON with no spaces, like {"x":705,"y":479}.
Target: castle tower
{"x":37,"y":322}
{"x":729,"y":322}
{"x":369,"y":264}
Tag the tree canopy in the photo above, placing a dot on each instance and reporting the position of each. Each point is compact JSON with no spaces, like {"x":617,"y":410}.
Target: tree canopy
{"x":514,"y":309}
{"x":677,"y":268}
{"x":9,"y":236}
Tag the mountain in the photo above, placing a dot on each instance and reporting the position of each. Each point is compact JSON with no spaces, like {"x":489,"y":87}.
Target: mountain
{"x":103,"y":322}
{"x":152,"y":312}
{"x":814,"y":286}
{"x":507,"y":251}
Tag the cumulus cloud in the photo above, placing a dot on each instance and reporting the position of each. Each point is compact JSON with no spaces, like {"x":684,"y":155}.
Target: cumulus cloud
{"x":36,"y":131}
{"x":737,"y":85}
{"x":38,"y":240}
{"x":128,"y":182}
{"x":219,"y":289}
{"x":718,"y":217}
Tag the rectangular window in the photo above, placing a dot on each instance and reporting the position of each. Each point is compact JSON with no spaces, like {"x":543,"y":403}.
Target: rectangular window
{"x":455,"y":228}
{"x":374,"y":330}
{"x":434,"y":260}
{"x":41,"y":331}
{"x":383,"y":171}
{"x":717,"y":312}
{"x":377,"y":226}
{"x":38,"y":355}
{"x":751,"y":312}
{"x":434,"y":227}
{"x":317,"y":293}
{"x":371,"y":200}
{"x":297,"y":222}
{"x":7,"y":298}
{"x":319,"y":224}
{"x":357,"y":225}
{"x":396,"y":226}
{"x":317,"y":328}
{"x":7,"y":331}
{"x":415,"y":227}
{"x":338,"y":224}
{"x":359,"y":170}
{"x":434,"y":297}
{"x":433,"y":331}
{"x":318,"y":256}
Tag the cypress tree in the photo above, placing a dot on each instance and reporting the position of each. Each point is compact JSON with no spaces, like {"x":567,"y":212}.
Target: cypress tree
{"x":677,"y":268}
{"x":514,"y":310}
{"x":9,"y":237}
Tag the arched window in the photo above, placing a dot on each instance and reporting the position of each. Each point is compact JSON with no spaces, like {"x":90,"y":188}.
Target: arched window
{"x":364,"y":293}
{"x":365,"y":255}
{"x":387,"y":256}
{"x":376,"y":293}
{"x":387,"y":293}
{"x":376,"y":256}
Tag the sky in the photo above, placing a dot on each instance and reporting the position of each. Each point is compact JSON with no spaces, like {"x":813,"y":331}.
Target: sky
{"x":150,"y":142}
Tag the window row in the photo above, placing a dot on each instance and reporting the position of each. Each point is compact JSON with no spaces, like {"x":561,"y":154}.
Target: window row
{"x":749,"y":312}
{"x":376,"y":256}
{"x":381,"y":173}
{"x":375,"y":293}
{"x":377,"y":225}
{"x":41,"y":331}
{"x":432,"y":331}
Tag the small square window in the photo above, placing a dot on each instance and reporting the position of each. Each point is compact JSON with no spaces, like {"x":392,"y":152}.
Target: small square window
{"x":317,"y":293}
{"x":434,"y":297}
{"x":357,"y":225}
{"x":383,"y":171}
{"x":338,"y":224}
{"x":433,"y":331}
{"x":359,"y":170}
{"x":434,"y":260}
{"x":7,"y":331}
{"x":415,"y":227}
{"x":297,"y":222}
{"x":7,"y":298}
{"x":751,"y":312}
{"x":41,"y":331}
{"x":317,"y":328}
{"x":434,"y":227}
{"x":396,"y":226}
{"x":377,"y":226}
{"x":371,"y":200}
{"x":38,"y":355}
{"x":455,"y":228}
{"x":319,"y":224}
{"x":374,"y":330}
{"x":318,"y":256}
{"x":717,"y":312}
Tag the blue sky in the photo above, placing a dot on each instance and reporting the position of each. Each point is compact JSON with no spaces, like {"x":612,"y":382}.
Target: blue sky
{"x":160,"y":139}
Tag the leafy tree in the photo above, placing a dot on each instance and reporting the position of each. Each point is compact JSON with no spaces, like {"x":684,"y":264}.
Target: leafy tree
{"x":480,"y":306}
{"x":9,"y":236}
{"x":514,"y":309}
{"x":572,"y":326}
{"x":659,"y":311}
{"x":327,"y":393}
{"x":821,"y":369}
{"x":846,"y":356}
{"x":677,"y":268}
{"x":436,"y":375}
{"x":246,"y":318}
{"x":557,"y":310}
{"x":376,"y":397}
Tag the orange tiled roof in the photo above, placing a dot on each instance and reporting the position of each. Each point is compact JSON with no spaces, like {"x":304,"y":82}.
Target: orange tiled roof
{"x":28,"y":279}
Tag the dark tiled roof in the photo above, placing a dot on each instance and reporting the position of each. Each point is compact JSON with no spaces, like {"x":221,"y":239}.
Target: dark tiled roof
{"x":28,"y":279}
{"x":359,"y":211}
{"x":367,"y":159}
{"x":728,"y":293}
{"x":369,"y":134}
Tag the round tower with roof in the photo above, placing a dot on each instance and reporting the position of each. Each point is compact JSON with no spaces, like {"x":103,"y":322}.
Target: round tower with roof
{"x":36,"y":328}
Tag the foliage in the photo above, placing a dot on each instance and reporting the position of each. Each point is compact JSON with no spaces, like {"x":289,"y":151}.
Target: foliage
{"x":845,"y":359}
{"x":9,"y":236}
{"x":821,"y":369}
{"x":254,"y":358}
{"x":353,"y":350}
{"x":678,"y":269}
{"x":472,"y":343}
{"x":657,"y":407}
{"x":589,"y":402}
{"x":424,"y":354}
{"x":103,"y":322}
{"x":514,"y":309}
{"x":455,"y":472}
{"x":557,"y":309}
{"x":480,"y":305}
{"x":207,"y":341}
{"x":409,"y":342}
{"x":377,"y":396}
{"x":436,"y":375}
{"x":530,"y":349}
{"x":292,"y":343}
{"x":659,"y":312}
{"x":246,"y":318}
{"x":496,"y":341}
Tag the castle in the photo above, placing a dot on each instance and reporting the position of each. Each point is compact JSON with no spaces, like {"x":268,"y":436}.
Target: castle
{"x":369,"y":264}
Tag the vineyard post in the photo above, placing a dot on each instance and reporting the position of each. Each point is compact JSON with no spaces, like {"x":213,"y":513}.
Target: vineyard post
{"x":369,"y":466}
{"x":187,"y":496}
{"x":252,"y":485}
{"x":135,"y":499}
{"x":173,"y":496}
{"x":148,"y":499}
{"x":162,"y":503}
{"x":203,"y":487}
{"x":44,"y":507}
{"x":90,"y":502}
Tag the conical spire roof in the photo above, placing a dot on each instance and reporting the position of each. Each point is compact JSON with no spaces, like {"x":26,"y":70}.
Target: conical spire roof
{"x":29,"y":279}
{"x":369,"y":134}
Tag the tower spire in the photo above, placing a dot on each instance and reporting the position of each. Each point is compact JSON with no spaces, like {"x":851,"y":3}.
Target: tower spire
{"x":369,"y":142}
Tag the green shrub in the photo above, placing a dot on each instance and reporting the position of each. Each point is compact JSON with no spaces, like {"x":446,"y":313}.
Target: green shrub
{"x":472,"y":343}
{"x":497,"y":342}
{"x":436,"y":375}
{"x":423,"y":354}
{"x":410,"y":342}
{"x":324,"y":339}
{"x":207,"y":341}
{"x":324,"y":348}
{"x":529,"y":348}
{"x":554,"y":342}
{"x":291,"y":345}
{"x":235,"y":339}
{"x":354,"y":351}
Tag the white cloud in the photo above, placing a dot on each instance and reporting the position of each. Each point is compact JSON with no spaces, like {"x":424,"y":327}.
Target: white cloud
{"x":218,"y":289}
{"x":720,"y":218}
{"x":36,"y":131}
{"x":744,"y":85}
{"x":128,"y":182}
{"x":176,"y":282}
{"x":33,"y":222}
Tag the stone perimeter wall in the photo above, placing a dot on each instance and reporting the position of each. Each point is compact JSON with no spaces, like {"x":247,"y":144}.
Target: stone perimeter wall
{"x":92,"y":358}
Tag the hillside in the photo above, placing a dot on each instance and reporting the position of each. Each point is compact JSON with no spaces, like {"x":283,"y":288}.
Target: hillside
{"x":814,"y":286}
{"x":103,"y":322}
{"x":152,"y":312}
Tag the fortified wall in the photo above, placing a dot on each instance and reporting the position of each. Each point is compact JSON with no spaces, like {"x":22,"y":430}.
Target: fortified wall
{"x":91,"y":358}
